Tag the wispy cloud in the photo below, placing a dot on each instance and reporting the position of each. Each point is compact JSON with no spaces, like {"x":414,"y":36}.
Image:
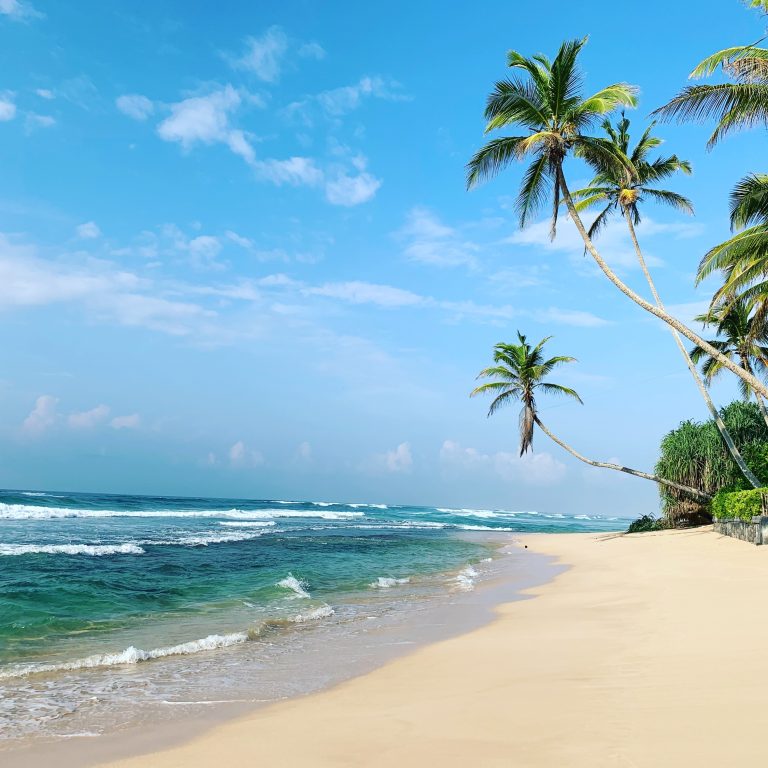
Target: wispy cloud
{"x":18,"y":10}
{"x":266,"y":55}
{"x":337,"y":102}
{"x":428,"y":240}
{"x":88,"y":231}
{"x":135,"y":105}
{"x":530,"y":469}
{"x":42,"y":417}
{"x":7,"y":106}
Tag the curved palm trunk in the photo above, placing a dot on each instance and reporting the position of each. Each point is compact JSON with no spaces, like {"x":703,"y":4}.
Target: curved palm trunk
{"x":695,"y":492}
{"x":724,"y":433}
{"x":662,"y":314}
{"x":760,"y":402}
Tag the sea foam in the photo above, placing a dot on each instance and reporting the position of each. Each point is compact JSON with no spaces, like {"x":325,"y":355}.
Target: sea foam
{"x":385,"y":582}
{"x":130,"y":655}
{"x":94,"y":550}
{"x":465,"y":580}
{"x":296,"y":586}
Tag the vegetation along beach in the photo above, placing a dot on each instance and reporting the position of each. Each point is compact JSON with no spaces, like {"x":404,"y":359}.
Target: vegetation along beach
{"x":383,"y":385}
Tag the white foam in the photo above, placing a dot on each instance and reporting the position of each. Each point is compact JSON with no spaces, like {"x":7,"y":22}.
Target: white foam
{"x":295,"y":585}
{"x":94,"y":550}
{"x":248,"y":523}
{"x":31,"y":512}
{"x":321,"y":612}
{"x":385,"y":582}
{"x":130,"y":655}
{"x":465,"y":580}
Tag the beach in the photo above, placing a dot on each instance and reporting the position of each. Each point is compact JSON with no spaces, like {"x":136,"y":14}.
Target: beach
{"x":645,"y":652}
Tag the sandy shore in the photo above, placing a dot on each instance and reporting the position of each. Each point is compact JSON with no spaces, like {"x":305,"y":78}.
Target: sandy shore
{"x":647,"y":652}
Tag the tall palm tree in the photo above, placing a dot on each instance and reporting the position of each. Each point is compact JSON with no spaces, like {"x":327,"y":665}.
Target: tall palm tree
{"x":546,"y":102}
{"x":742,"y":336}
{"x":624,"y":181}
{"x":519,"y":373}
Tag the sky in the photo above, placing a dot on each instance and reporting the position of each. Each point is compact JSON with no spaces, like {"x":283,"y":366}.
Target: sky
{"x":238,"y":258}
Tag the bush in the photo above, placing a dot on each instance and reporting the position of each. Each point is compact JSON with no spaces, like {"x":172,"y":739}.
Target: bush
{"x":694,"y":454}
{"x":738,"y":505}
{"x":646,"y":523}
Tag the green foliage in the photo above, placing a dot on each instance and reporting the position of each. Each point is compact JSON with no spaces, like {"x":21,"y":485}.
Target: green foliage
{"x":739,"y":505}
{"x":646,"y":523}
{"x":695,"y":454}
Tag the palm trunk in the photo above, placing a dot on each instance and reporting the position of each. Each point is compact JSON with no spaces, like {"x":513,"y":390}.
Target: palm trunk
{"x":760,"y":402}
{"x":725,"y":434}
{"x":662,"y":314}
{"x":695,"y":492}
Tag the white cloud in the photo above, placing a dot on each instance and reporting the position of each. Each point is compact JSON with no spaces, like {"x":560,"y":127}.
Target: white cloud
{"x":88,"y":419}
{"x":42,"y":417}
{"x":613,"y":242}
{"x":399,"y":459}
{"x":530,"y":469}
{"x":241,"y":456}
{"x":125,"y":422}
{"x":204,"y":250}
{"x":34,"y":120}
{"x":264,"y":55}
{"x":429,"y":241}
{"x":337,"y":102}
{"x":88,"y":231}
{"x":357,"y":292}
{"x":7,"y":106}
{"x":573,"y":317}
{"x":44,"y":93}
{"x":18,"y":10}
{"x":296,"y":171}
{"x":26,"y":280}
{"x":135,"y":105}
{"x":351,"y":190}
{"x":206,"y":120}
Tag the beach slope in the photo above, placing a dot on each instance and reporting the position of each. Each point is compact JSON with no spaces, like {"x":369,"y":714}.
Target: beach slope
{"x":646,"y":652}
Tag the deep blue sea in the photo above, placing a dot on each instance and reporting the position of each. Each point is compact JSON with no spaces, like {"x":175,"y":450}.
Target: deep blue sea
{"x":111,"y":605}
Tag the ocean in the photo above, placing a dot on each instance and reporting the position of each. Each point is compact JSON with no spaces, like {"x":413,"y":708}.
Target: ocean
{"x":116,"y":611}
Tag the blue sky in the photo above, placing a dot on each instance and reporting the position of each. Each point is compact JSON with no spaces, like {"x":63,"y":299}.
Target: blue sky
{"x":237,"y":256}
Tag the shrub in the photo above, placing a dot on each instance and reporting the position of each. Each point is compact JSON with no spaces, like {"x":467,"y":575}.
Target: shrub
{"x":738,"y":505}
{"x":694,"y":454}
{"x":646,"y":523}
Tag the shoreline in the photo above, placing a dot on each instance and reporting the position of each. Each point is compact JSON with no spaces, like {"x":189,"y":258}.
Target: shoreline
{"x":626,"y":658}
{"x":453,"y":613}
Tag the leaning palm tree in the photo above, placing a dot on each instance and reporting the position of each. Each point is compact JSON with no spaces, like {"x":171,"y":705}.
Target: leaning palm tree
{"x":624,"y":180}
{"x":548,"y":105}
{"x":741,"y":335}
{"x":519,"y":373}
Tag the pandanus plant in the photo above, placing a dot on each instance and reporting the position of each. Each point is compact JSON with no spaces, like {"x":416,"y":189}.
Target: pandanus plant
{"x":519,"y":374}
{"x":547,"y":104}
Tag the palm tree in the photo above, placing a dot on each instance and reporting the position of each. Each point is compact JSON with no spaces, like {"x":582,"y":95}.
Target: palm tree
{"x":518,"y":375}
{"x":741,"y":336}
{"x":624,"y":181}
{"x":547,"y":103}
{"x":744,"y":257}
{"x":736,"y":105}
{"x":742,"y":103}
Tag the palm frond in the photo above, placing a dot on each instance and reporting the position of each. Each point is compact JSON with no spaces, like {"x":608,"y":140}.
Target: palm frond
{"x":494,"y":157}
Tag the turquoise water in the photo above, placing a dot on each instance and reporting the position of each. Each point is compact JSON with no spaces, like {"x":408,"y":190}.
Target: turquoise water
{"x":172,"y":588}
